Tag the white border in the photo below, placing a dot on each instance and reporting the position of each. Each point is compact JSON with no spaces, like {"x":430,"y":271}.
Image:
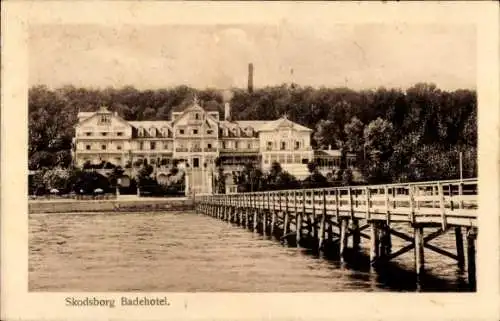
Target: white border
{"x":17,"y":303}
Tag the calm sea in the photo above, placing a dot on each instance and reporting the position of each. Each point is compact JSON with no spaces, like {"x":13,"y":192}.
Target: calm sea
{"x":186,"y":252}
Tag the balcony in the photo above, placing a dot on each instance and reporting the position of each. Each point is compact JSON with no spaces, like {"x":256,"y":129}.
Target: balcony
{"x":210,"y":150}
{"x":182,"y":149}
{"x":196,"y":149}
{"x":240,"y":150}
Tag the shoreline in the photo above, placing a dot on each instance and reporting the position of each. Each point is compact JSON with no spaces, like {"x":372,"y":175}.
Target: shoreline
{"x":109,"y":206}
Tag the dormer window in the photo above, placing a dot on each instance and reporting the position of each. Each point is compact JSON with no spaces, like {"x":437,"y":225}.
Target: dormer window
{"x":140,"y":132}
{"x":152,"y":132}
{"x":297,"y":145}
{"x":283,"y":145}
{"x":196,"y":116}
{"x":105,"y":120}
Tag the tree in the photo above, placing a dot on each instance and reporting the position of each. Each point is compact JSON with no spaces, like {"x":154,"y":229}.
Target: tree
{"x":354,"y":131}
{"x":378,"y":146}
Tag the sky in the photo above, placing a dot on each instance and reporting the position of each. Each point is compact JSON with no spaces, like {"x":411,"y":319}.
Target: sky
{"x":359,"y":56}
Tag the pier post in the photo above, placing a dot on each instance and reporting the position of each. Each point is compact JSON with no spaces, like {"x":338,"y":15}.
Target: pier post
{"x":299,"y":218}
{"x":273,"y":221}
{"x":273,"y":215}
{"x":356,"y":236}
{"x":374,"y":242}
{"x":285,"y":223}
{"x":343,"y":237}
{"x":388,"y":239}
{"x":322,"y":223}
{"x":384,"y":239}
{"x":419,"y":250}
{"x":264,"y":222}
{"x":459,"y":242}
{"x":255,"y":220}
{"x":471,"y":256}
{"x":313,"y":216}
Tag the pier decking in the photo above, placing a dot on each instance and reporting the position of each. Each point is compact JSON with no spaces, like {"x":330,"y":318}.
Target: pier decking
{"x":335,"y":215}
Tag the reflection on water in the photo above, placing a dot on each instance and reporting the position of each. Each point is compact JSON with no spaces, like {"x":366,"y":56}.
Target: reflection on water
{"x":179,"y":252}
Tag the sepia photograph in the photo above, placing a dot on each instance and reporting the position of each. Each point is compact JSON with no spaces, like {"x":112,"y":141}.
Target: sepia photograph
{"x":222,"y":158}
{"x":203,"y":160}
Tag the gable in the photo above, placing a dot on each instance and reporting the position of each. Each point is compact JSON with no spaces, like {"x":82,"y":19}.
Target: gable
{"x":194,"y":114}
{"x":104,"y":120}
{"x":284,"y":124}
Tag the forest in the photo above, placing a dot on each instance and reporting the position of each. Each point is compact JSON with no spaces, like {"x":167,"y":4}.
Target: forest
{"x":398,"y":135}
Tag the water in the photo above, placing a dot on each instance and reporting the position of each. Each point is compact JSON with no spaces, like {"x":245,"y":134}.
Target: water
{"x":185,"y":252}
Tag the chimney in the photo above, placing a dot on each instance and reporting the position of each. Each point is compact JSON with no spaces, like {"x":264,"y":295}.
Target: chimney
{"x":250,"y":77}
{"x":227,"y":111}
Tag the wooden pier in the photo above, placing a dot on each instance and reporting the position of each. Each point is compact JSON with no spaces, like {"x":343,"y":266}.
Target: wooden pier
{"x":340,"y":215}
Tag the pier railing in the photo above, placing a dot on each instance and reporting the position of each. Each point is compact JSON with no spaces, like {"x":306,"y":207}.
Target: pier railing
{"x":445,"y":202}
{"x":333,"y":215}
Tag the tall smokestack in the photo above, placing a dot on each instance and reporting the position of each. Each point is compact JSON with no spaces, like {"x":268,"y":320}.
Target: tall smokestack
{"x":250,"y":77}
{"x":227,"y":111}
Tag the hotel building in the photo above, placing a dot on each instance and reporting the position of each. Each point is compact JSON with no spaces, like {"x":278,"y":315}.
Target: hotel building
{"x":196,"y":136}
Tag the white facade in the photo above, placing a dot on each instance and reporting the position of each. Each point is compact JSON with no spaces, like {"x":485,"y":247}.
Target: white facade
{"x":196,"y":137}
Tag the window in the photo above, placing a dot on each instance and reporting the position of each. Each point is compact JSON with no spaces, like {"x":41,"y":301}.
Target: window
{"x":269,"y":145}
{"x":104,"y":134}
{"x":195,"y":131}
{"x":119,"y":134}
{"x":197,"y":116}
{"x":283,"y":145}
{"x":181,"y":131}
{"x":88,"y":134}
{"x":152,"y":132}
{"x":305,"y":161}
{"x":223,"y":145}
{"x":210,"y":132}
{"x":87,"y":147}
{"x":297,"y":159}
{"x":166,"y":145}
{"x":141,"y":132}
{"x":289,"y":158}
{"x":235,"y":145}
{"x":297,"y":145}
{"x":141,"y":145}
{"x":119,"y":147}
{"x":105,"y":120}
{"x":153,"y":145}
{"x":249,"y":146}
{"x":103,"y":147}
{"x":209,"y":146}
